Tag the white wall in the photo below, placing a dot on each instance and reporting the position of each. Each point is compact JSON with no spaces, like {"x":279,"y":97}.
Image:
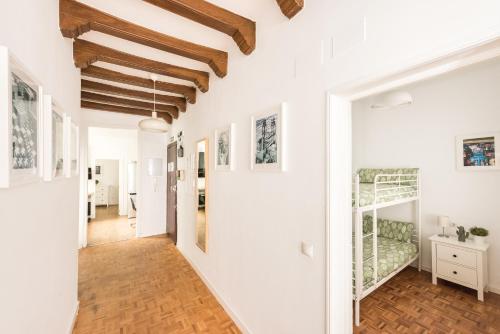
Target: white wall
{"x":38,"y":240}
{"x":258,"y":220}
{"x":151,"y":202}
{"x":423,"y":135}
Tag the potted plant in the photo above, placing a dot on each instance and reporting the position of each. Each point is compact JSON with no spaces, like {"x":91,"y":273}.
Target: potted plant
{"x":479,"y":234}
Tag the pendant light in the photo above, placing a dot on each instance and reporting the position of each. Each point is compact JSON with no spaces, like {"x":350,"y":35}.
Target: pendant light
{"x":154,"y":124}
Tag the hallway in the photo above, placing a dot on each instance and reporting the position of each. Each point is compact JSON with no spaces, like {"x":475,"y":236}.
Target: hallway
{"x":109,"y":227}
{"x":144,"y":286}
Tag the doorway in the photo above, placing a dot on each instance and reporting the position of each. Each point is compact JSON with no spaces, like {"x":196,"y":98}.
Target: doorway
{"x":172,"y":191}
{"x":339,"y":169}
{"x":106,"y":225}
{"x":110,"y":186}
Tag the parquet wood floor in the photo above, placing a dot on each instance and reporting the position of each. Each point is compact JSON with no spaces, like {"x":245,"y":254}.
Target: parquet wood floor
{"x":409,"y":303}
{"x":109,"y":226}
{"x":145,"y":286}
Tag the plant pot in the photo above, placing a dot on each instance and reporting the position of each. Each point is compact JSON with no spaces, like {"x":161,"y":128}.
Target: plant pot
{"x":479,"y":240}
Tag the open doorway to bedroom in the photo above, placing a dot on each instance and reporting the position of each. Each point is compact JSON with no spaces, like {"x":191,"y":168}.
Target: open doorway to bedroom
{"x":419,"y":153}
{"x":112,"y":174}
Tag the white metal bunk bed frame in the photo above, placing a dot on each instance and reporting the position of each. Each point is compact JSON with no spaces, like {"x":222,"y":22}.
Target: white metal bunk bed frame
{"x":400,"y":182}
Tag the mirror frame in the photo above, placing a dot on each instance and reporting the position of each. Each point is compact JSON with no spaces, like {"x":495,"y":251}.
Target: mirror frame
{"x":207,"y":172}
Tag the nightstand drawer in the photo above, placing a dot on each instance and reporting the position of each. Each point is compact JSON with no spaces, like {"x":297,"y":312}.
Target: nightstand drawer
{"x":456,"y":255}
{"x":456,"y":272}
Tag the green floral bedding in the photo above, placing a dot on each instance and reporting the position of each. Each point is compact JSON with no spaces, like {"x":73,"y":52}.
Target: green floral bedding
{"x":400,"y":231}
{"x":389,"y":193}
{"x":367,"y":175}
{"x":394,"y":247}
{"x":392,"y":254}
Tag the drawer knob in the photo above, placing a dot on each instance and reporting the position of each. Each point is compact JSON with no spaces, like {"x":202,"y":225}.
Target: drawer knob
{"x":455,"y":272}
{"x":454,"y":255}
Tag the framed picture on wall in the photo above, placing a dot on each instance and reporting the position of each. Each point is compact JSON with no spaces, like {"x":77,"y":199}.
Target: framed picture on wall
{"x":21,"y":112}
{"x":54,"y":157}
{"x":224,"y":148}
{"x":478,"y":152}
{"x":267,"y":140}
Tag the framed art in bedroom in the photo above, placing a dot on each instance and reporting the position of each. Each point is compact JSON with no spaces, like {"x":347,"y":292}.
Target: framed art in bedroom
{"x":478,"y":152}
{"x":21,"y":111}
{"x":268,"y":140}
{"x":54,"y":135}
{"x":224,"y":148}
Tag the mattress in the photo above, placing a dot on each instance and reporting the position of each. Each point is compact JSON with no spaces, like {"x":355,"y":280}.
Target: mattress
{"x":386,"y":193}
{"x":392,"y":255}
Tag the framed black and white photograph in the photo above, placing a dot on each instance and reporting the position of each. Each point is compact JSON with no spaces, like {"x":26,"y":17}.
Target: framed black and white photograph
{"x":224,"y":148}
{"x":21,"y":112}
{"x":478,"y":152}
{"x":267,"y":141}
{"x":54,"y":153}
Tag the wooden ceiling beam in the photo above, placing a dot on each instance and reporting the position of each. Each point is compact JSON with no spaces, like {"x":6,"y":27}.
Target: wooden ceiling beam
{"x":123,"y":110}
{"x":93,"y":97}
{"x":291,"y":7}
{"x":241,"y":29}
{"x":97,"y":87}
{"x":110,"y":75}
{"x":86,"y":53}
{"x":76,"y":19}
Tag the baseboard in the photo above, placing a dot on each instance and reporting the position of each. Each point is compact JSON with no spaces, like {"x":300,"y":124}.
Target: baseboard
{"x":75,"y":315}
{"x":237,"y":320}
{"x":494,"y":289}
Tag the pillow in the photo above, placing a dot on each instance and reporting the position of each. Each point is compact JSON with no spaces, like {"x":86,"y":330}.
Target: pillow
{"x":367,"y":175}
{"x":400,"y":231}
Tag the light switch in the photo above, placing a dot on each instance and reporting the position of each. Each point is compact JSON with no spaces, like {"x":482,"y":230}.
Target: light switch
{"x":307,"y":249}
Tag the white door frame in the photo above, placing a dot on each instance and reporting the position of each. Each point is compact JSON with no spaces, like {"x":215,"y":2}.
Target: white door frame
{"x":339,"y":313}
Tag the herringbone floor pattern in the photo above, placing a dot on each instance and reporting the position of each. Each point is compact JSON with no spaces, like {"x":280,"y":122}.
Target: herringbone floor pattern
{"x":145,"y":286}
{"x":409,"y":303}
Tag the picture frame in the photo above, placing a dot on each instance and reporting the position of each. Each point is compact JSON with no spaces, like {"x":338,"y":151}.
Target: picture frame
{"x":224,"y":150}
{"x":478,"y":152}
{"x":268,"y":144}
{"x":21,"y":123}
{"x":54,"y":140}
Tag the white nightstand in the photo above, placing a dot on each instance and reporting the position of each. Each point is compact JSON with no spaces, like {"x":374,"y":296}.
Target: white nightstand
{"x":464,"y":263}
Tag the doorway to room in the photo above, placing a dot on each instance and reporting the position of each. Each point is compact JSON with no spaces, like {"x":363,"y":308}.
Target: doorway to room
{"x":111,"y":185}
{"x":108,"y":226}
{"x":340,"y":172}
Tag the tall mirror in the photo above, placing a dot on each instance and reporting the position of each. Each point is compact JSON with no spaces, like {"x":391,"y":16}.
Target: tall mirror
{"x":202,"y":193}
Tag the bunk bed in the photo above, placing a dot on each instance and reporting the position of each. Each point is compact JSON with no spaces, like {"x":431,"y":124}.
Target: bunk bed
{"x":396,"y":245}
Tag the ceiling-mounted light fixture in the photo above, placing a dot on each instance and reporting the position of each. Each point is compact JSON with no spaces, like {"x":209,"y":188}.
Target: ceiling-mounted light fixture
{"x":391,"y":100}
{"x":154,"y":124}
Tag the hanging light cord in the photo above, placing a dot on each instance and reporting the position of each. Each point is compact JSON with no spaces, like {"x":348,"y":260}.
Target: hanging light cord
{"x":154,"y":97}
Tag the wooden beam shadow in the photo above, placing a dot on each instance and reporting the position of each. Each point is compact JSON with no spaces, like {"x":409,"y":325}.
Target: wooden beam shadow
{"x":241,"y":29}
{"x":97,"y":87}
{"x":105,"y":74}
{"x":123,"y":110}
{"x":94,"y":97}
{"x":76,"y":19}
{"x":86,"y":53}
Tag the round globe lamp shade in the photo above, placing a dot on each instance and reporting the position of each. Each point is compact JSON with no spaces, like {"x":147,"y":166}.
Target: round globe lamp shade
{"x":156,"y":125}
